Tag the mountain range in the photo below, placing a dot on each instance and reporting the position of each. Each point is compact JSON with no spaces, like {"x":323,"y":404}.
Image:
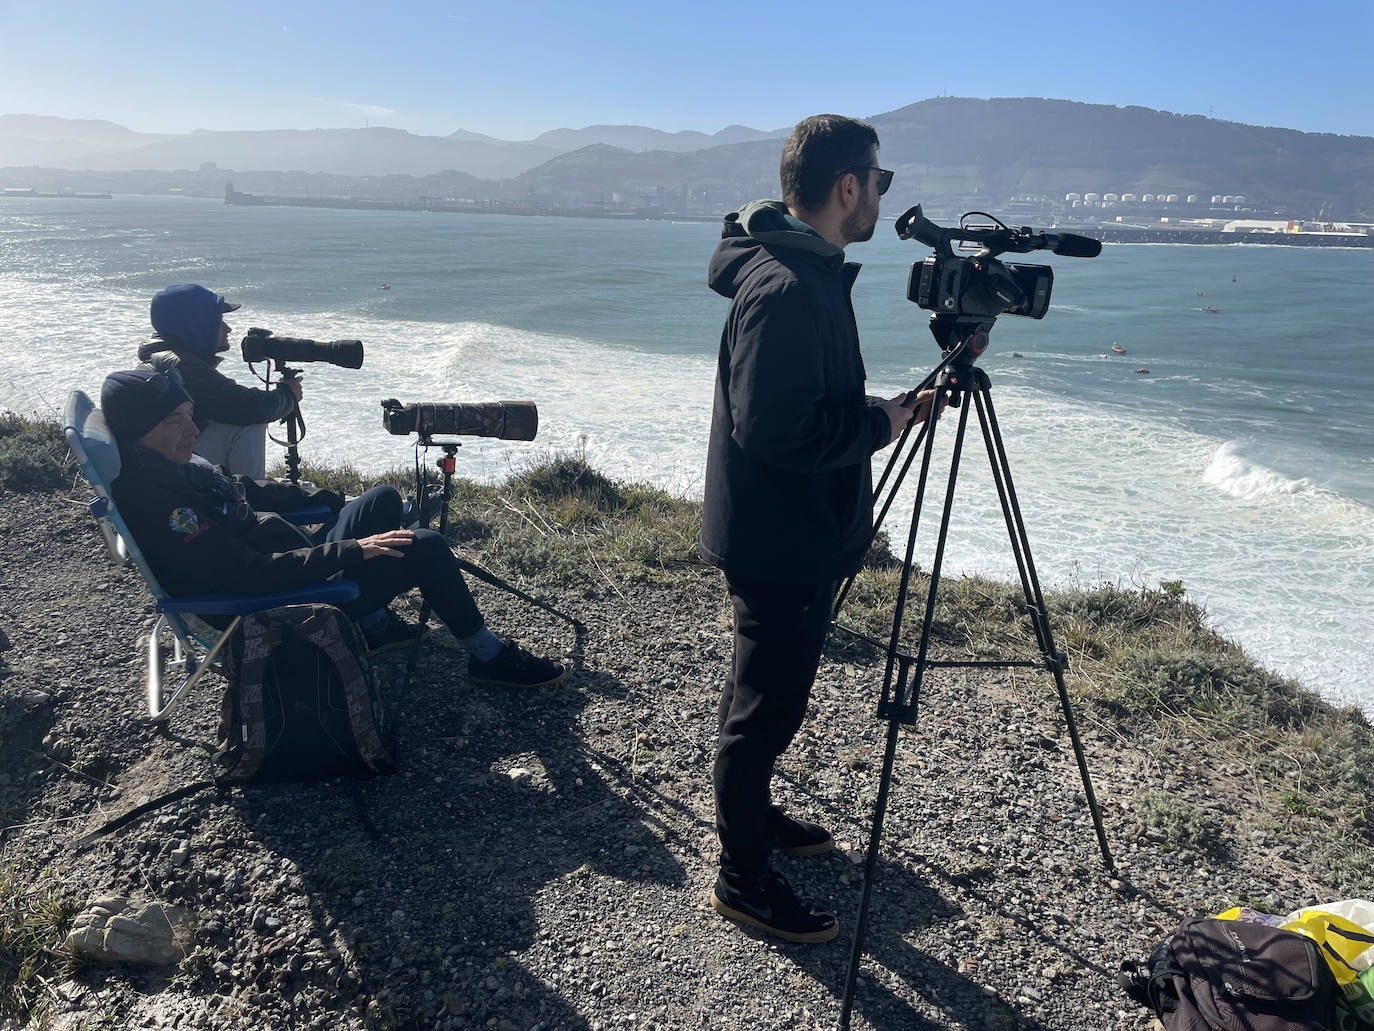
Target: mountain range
{"x":375,"y":151}
{"x":955,"y":149}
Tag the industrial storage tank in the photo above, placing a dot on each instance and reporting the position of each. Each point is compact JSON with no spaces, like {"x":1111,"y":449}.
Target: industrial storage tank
{"x":1217,"y":199}
{"x":1171,"y":199}
{"x":1072,"y":197}
{"x":1092,"y":198}
{"x":1108,"y":198}
{"x":1192,"y":198}
{"x":1148,"y":198}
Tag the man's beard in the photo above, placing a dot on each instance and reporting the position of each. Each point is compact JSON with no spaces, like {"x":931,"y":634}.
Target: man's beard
{"x":859,"y":224}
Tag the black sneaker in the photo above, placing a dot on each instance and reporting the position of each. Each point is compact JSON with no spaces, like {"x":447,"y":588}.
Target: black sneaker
{"x":772,"y":906}
{"x":796,"y":837}
{"x":391,"y":636}
{"x":515,"y":667}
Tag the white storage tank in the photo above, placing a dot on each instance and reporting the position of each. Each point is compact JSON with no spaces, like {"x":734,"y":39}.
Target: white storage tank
{"x":1092,"y":198}
{"x":1132,"y":196}
{"x":1171,"y":199}
{"x":1192,"y":198}
{"x":1218,"y":199}
{"x":1149,"y":198}
{"x":1072,"y":197}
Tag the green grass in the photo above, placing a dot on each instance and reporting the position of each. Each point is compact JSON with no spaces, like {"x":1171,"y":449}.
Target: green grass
{"x":33,"y":926}
{"x":33,"y":454}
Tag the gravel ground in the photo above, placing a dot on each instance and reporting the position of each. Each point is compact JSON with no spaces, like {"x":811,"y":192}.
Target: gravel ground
{"x":542,"y":860}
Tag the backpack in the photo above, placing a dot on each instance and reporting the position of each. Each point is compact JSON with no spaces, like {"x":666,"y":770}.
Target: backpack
{"x":302,"y":701}
{"x":1233,"y":975}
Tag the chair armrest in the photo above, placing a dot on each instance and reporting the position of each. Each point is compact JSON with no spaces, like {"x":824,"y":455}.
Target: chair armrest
{"x":311,"y":514}
{"x":332,"y":592}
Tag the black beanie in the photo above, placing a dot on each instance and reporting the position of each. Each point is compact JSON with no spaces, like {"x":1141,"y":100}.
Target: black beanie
{"x":136,"y":401}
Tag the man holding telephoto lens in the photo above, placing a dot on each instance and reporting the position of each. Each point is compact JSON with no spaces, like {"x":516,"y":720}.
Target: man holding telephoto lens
{"x":788,"y":507}
{"x":190,"y":335}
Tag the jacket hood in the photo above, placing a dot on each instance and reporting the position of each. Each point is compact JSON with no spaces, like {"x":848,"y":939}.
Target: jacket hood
{"x":755,"y":233}
{"x":190,"y":315}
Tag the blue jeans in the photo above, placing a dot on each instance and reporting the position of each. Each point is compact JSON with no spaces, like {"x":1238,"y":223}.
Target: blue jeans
{"x":426,"y":563}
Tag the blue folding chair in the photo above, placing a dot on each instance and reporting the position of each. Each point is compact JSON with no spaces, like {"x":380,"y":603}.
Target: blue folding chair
{"x":195,"y":645}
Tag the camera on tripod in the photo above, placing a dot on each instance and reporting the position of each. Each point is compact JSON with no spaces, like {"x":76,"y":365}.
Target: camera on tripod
{"x":982,"y":286}
{"x":506,"y":420}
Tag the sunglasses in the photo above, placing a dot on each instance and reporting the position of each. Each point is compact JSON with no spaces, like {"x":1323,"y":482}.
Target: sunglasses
{"x":884,"y":175}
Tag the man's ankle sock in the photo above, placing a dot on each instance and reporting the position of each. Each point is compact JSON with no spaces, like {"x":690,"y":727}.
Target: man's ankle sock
{"x":483,"y":645}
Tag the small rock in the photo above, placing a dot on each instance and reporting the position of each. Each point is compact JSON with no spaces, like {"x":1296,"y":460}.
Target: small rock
{"x":120,"y":931}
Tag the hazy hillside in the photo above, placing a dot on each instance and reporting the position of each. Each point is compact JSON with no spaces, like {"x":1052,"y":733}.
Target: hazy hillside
{"x":638,"y":137}
{"x":1006,"y":146}
{"x":959,"y":150}
{"x":373,"y":151}
{"x":949,"y":152}
{"x":39,"y":140}
{"x":104,"y":146}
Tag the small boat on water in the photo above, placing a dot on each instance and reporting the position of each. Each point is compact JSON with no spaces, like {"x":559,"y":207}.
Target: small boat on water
{"x":1209,"y":311}
{"x":1142,"y":372}
{"x":1118,"y":348}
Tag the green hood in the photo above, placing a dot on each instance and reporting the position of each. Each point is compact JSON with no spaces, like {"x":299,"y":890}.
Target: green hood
{"x":769,"y":221}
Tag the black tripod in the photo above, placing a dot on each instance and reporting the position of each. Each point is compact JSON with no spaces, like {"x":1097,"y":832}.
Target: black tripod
{"x":447,"y":465}
{"x":962,"y":339}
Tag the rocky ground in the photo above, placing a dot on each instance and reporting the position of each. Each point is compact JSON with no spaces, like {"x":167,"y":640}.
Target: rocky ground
{"x":542,"y":860}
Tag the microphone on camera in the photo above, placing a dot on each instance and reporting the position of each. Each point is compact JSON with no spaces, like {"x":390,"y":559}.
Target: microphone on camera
{"x":1074,"y":246}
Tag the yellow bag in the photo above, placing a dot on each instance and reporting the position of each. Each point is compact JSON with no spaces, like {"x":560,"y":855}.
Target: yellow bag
{"x":1344,"y":930}
{"x":1345,"y":933}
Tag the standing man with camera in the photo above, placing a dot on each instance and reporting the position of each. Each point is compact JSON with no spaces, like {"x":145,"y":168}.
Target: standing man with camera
{"x":232,"y":419}
{"x":788,"y":508}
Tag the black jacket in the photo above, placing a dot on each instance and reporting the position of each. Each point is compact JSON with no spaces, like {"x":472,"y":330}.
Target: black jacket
{"x":788,"y":494}
{"x":216,"y":397}
{"x":201,"y":533}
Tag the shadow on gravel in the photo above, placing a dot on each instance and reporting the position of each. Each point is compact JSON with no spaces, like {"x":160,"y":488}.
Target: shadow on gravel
{"x":904,"y":905}
{"x":431,"y":876}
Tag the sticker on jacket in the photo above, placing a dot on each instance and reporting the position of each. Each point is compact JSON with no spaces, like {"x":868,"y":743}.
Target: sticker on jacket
{"x":184,"y":520}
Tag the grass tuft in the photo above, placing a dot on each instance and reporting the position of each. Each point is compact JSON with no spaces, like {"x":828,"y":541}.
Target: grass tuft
{"x":33,"y":454}
{"x":33,"y":926}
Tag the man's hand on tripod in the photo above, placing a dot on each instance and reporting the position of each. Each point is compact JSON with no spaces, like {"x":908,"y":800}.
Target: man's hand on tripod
{"x":908,"y":407}
{"x":294,"y":385}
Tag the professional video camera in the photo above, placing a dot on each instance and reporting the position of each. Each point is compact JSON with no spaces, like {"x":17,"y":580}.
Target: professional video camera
{"x":974,"y":290}
{"x":261,"y":345}
{"x":508,"y":420}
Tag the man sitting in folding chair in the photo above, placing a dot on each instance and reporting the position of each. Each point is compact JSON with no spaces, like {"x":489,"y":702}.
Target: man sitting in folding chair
{"x":201,"y":531}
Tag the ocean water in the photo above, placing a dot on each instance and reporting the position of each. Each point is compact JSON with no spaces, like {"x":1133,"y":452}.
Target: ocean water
{"x":1240,"y":464}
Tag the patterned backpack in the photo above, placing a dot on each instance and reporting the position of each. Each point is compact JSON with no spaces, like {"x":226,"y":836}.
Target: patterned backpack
{"x":302,"y":701}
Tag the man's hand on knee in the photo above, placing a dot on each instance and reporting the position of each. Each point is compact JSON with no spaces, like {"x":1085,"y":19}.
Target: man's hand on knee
{"x":387,"y":543}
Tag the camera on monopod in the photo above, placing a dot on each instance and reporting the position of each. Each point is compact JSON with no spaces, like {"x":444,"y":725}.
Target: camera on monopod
{"x":262,"y":345}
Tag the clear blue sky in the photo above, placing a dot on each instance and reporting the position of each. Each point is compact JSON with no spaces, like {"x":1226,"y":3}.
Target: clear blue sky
{"x":518,"y":68}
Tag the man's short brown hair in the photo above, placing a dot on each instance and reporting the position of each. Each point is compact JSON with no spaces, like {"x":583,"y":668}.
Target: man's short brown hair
{"x":817,"y":151}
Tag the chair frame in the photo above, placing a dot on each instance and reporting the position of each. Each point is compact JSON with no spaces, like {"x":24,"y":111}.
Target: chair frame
{"x":196,"y":646}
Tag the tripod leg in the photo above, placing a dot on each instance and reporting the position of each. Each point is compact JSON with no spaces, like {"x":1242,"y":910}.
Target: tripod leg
{"x":897,"y":706}
{"x":870,"y":868}
{"x":1030,"y":586}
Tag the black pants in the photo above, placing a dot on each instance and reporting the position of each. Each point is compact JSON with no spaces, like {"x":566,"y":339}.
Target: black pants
{"x":779,"y":632}
{"x":426,"y":563}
